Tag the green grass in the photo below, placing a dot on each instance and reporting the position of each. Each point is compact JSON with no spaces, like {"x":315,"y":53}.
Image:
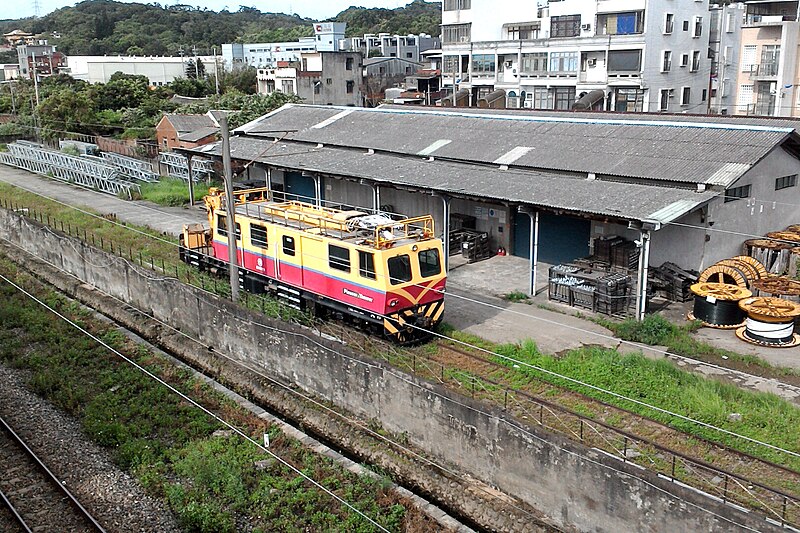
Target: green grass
{"x":657,"y":330}
{"x":210,"y":482}
{"x":517,"y":296}
{"x":765,"y":417}
{"x":172,"y":192}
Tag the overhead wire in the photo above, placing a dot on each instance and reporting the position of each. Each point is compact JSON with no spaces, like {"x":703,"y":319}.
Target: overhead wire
{"x":446,"y":398}
{"x":196,"y":404}
{"x":578,"y":382}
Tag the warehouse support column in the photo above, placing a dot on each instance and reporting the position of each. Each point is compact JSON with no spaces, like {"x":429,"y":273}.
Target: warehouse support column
{"x":318,"y":190}
{"x":533,"y":250}
{"x":376,"y":197}
{"x":446,"y":230}
{"x":191,"y":181}
{"x":269,"y":182}
{"x":644,"y":265}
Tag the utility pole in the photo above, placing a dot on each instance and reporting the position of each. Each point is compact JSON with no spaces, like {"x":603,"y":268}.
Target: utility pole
{"x":35,"y":77}
{"x":196,"y":66}
{"x":233,"y":267}
{"x":216,"y":74}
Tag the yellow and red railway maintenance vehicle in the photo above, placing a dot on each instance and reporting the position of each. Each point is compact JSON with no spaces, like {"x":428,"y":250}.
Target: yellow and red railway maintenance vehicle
{"x":374,"y":270}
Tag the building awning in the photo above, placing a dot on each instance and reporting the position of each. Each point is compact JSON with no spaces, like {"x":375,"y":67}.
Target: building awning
{"x":588,"y":100}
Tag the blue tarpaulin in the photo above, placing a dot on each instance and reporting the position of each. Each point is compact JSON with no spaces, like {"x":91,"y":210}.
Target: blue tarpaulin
{"x":626,"y":24}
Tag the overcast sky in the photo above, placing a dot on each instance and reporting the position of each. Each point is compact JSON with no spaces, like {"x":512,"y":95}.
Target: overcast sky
{"x":315,"y":9}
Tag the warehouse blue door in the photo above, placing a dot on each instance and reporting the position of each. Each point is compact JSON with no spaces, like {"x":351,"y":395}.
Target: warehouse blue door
{"x":299,"y":187}
{"x":561,"y":238}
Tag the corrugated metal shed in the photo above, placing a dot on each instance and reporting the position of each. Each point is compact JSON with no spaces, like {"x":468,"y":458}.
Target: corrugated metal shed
{"x":638,"y":147}
{"x":568,"y":193}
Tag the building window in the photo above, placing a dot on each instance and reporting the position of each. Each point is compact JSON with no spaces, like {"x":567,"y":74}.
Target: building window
{"x":564,"y":62}
{"x":669,"y":23}
{"x":748,"y":57}
{"x":329,"y":81}
{"x":663,"y":99}
{"x":366,"y":264}
{"x":317,"y":86}
{"x":685,"y":25}
{"x":698,"y":27}
{"x":339,"y":258}
{"x":409,"y":55}
{"x":287,"y":86}
{"x":258,"y":236}
{"x":666,"y":64}
{"x":523,"y":32}
{"x":483,"y":65}
{"x":684,"y":60}
{"x":348,"y":63}
{"x":564,"y":98}
{"x":624,"y":60}
{"x":565,"y":26}
{"x":455,"y":5}
{"x":744,"y":98}
{"x":456,"y":33}
{"x":542,"y":98}
{"x":451,"y":64}
{"x":704,"y":96}
{"x":695,"y":61}
{"x":620,"y":23}
{"x":686,"y":93}
{"x":350,"y":86}
{"x":737,"y":193}
{"x":535,"y":63}
{"x":785,"y":182}
{"x":629,"y":100}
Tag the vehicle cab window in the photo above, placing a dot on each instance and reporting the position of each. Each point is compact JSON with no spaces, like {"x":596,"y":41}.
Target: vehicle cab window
{"x":429,"y":263}
{"x":399,"y":269}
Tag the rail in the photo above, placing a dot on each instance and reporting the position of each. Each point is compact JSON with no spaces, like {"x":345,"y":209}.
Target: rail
{"x":39,"y":464}
{"x":737,"y":490}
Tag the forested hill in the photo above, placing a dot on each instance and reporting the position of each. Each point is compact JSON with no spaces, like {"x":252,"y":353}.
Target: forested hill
{"x":97,"y":27}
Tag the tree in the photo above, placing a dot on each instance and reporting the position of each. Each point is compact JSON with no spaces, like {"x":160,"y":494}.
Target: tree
{"x":191,"y":87}
{"x":67,"y":110}
{"x":244,"y":80}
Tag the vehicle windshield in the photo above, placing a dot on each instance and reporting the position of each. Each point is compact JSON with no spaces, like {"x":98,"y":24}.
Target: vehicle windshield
{"x":399,"y":269}
{"x":429,"y":263}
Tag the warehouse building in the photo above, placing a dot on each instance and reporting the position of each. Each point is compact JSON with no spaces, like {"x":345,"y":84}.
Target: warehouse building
{"x":542,"y":185}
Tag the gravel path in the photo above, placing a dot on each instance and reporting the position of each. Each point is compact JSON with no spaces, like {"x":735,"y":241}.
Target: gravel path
{"x":116,"y":500}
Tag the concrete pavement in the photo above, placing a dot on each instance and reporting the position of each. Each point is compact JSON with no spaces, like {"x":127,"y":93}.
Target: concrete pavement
{"x":169,"y":220}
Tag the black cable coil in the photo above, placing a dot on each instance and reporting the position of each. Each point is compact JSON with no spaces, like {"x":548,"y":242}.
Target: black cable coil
{"x":719,"y":313}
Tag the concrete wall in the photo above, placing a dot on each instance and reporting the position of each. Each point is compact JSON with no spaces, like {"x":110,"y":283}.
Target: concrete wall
{"x":579,"y":488}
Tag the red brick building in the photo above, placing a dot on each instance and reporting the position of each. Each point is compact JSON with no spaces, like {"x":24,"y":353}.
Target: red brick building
{"x":185,"y":131}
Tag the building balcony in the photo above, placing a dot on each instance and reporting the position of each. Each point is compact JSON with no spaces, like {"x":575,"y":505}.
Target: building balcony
{"x":764,"y":71}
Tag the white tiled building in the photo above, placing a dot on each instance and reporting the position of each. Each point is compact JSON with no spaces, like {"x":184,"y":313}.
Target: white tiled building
{"x":623,"y":55}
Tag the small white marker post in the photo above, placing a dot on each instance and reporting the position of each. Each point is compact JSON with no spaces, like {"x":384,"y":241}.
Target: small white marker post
{"x":266,"y":440}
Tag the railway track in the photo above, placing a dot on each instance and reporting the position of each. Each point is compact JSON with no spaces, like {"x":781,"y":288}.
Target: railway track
{"x":32,"y":496}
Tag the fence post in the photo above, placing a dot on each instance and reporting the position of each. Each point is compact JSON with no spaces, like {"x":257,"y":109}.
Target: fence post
{"x":725,"y":491}
{"x":673,"y":467}
{"x":505,"y":400}
{"x":581,"y":429}
{"x":625,"y":450}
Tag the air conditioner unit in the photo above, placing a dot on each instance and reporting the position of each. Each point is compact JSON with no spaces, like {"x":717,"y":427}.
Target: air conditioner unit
{"x":591,"y":62}
{"x":586,"y":27}
{"x":773,"y":87}
{"x":508,"y":64}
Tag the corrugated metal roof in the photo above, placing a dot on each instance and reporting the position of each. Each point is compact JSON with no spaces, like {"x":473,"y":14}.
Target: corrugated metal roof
{"x":639,"y":146}
{"x":198,"y":134}
{"x":573,"y":194}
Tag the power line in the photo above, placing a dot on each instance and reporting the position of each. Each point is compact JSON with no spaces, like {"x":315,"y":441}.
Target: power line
{"x":448,"y":399}
{"x":195,"y":403}
{"x":573,"y":380}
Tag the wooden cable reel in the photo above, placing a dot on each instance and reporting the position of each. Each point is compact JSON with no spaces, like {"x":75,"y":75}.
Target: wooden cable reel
{"x":716,"y":305}
{"x":725,"y":274}
{"x":755,"y":263}
{"x":778,"y":285}
{"x":784,"y":235}
{"x":770,"y":322}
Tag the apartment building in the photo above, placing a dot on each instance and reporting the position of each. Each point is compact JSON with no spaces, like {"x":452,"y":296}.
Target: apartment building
{"x":42,"y":59}
{"x":622,"y":55}
{"x":330,"y":78}
{"x":759,"y":72}
{"x":408,"y":47}
{"x":326,"y":38}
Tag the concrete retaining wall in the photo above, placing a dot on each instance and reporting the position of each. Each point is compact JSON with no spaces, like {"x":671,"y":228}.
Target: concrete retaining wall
{"x":576,"y":487}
